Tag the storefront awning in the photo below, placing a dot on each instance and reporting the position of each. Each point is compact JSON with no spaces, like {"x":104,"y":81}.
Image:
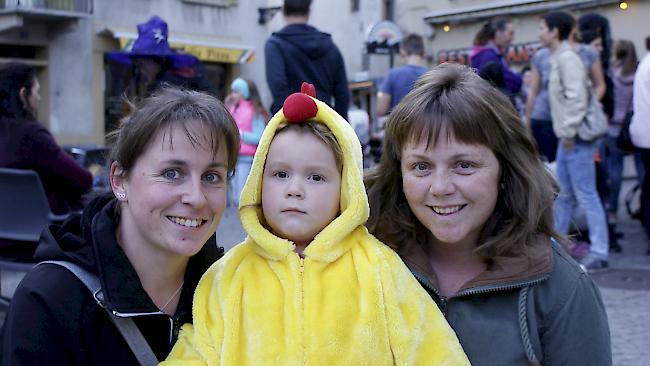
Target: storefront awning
{"x":507,"y":8}
{"x":205,"y":48}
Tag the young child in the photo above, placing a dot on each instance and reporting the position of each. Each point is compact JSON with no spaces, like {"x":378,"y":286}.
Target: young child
{"x":309,"y":285}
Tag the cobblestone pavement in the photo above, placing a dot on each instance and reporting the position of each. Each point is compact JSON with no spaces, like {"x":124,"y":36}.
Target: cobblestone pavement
{"x":625,"y":288}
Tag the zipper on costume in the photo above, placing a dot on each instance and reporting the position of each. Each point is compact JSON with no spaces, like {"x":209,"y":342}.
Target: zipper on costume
{"x":301,"y":270}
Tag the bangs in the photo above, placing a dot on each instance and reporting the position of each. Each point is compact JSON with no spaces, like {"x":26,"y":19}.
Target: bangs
{"x":468,"y":122}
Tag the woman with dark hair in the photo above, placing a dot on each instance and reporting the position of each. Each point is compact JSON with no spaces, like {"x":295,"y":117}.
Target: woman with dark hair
{"x":490,"y":45}
{"x":147,"y":242}
{"x":26,"y":144}
{"x":593,"y":30}
{"x":463,"y":198}
{"x":623,"y":71}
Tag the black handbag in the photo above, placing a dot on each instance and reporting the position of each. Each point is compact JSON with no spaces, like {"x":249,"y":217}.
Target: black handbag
{"x":624,"y":139}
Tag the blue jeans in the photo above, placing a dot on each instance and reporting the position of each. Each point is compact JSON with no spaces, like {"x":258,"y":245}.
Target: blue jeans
{"x":612,"y":158}
{"x":242,"y":170}
{"x":545,"y":138}
{"x":576,"y":173}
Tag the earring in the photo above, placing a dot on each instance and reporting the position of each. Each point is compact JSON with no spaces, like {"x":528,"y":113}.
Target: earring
{"x":120,"y":195}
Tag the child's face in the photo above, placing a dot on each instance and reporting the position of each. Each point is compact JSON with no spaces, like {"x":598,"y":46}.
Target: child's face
{"x":301,"y":186}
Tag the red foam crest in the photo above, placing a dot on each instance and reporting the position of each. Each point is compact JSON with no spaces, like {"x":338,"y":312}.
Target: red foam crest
{"x":299,"y":107}
{"x":308,"y":89}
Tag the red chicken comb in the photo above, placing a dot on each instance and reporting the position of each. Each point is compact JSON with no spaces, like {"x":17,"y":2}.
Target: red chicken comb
{"x":299,"y":107}
{"x":308,"y":89}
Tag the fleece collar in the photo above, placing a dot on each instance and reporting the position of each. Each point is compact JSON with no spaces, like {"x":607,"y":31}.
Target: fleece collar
{"x":328,"y":245}
{"x":504,"y":269}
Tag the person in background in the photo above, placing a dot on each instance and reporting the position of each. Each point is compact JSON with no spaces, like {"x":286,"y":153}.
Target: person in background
{"x":401,"y":79}
{"x":461,"y":195}
{"x":623,"y":80}
{"x":145,"y":241}
{"x":490,"y":44}
{"x":155,"y":63}
{"x":593,"y":30}
{"x":569,"y":94}
{"x":309,"y":285}
{"x":537,"y":109}
{"x":26,"y":144}
{"x":300,"y":52}
{"x":246,"y":107}
{"x":640,"y":130}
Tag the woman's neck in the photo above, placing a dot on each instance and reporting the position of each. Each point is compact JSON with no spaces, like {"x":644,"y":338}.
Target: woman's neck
{"x":160,"y":273}
{"x":454,"y":265}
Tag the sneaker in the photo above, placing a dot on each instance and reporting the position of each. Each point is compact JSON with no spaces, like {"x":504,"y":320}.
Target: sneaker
{"x":592,"y":263}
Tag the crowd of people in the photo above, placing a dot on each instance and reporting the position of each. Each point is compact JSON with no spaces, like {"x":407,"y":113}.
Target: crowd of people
{"x":453,"y":249}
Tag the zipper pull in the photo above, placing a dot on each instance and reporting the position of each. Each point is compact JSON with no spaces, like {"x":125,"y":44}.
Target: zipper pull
{"x":443,"y":305}
{"x":302,"y":264}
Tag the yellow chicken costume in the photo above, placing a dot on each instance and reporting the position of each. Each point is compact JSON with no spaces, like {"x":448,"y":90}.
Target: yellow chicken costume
{"x":350,"y":301}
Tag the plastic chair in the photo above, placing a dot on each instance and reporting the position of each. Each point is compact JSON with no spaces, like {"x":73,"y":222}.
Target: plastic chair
{"x":24,"y":213}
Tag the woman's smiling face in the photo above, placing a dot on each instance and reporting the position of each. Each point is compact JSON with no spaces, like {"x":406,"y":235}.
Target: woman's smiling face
{"x":175,"y":193}
{"x":451,"y":187}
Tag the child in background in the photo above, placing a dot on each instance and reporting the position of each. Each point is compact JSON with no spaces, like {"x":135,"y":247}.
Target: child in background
{"x":309,"y":285}
{"x":245,"y":105}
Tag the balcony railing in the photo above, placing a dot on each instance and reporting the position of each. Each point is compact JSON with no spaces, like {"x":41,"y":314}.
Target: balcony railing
{"x":72,"y":6}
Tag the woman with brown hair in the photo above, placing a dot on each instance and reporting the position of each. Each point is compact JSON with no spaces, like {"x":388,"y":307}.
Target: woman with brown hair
{"x":462,"y":197}
{"x":147,"y":242}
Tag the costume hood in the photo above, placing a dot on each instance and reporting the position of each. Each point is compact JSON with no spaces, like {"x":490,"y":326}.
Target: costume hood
{"x":328,"y":244}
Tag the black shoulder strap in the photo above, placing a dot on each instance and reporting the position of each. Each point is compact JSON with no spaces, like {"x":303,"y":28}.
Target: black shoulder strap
{"x":126,"y":326}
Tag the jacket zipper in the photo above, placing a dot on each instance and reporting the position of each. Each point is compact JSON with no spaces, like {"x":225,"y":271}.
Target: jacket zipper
{"x":301,"y":269}
{"x":444,"y":301}
{"x":174,"y":325}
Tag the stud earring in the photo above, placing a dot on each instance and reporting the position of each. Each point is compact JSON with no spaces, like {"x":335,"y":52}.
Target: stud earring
{"x":120,"y":195}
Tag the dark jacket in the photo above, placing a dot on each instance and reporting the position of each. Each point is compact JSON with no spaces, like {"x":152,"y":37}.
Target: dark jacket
{"x":299,"y":52}
{"x":28,"y":145}
{"x":542,"y":307}
{"x":485,"y":55}
{"x":53,"y":318}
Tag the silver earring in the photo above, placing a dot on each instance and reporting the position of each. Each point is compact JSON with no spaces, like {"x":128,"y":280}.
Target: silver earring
{"x":120,"y":195}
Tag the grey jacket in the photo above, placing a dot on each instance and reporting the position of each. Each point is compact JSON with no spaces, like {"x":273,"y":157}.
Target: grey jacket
{"x":568,"y":91}
{"x":543,"y":309}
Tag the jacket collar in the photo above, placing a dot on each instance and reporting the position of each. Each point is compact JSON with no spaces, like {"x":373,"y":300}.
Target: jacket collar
{"x":121,"y":287}
{"x":535,"y":262}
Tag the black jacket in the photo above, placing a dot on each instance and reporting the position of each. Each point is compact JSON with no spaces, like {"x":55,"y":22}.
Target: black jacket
{"x":299,"y":52}
{"x":53,"y":318}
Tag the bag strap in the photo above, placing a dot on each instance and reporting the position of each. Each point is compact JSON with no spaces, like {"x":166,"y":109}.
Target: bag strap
{"x":126,"y":326}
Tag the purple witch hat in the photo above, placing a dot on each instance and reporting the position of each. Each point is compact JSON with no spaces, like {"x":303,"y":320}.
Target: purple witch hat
{"x":152,"y":42}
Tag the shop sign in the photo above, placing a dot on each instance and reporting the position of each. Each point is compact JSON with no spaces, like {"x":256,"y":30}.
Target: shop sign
{"x":518,"y":54}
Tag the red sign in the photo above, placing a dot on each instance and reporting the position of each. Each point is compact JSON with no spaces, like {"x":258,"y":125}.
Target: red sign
{"x":518,"y":54}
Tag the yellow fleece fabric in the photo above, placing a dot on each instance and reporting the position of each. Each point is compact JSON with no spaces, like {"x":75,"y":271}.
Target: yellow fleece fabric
{"x":350,"y":301}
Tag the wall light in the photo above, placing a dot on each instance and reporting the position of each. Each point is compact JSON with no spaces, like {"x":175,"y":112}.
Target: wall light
{"x":622,"y":5}
{"x":446,"y":28}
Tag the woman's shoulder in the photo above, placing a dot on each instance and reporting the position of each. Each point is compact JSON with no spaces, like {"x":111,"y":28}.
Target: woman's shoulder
{"x":53,"y":287}
{"x":567,"y":279}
